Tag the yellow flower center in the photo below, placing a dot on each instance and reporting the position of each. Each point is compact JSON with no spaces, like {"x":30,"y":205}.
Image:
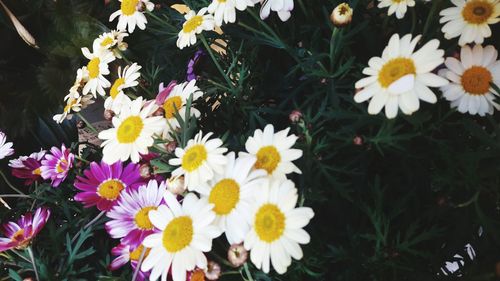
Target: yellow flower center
{"x":269,"y":223}
{"x":476,"y":80}
{"x":221,"y":1}
{"x":225,"y":195}
{"x":172,"y":105}
{"x":344,"y":9}
{"x":68,"y":106}
{"x":59,"y":167}
{"x":129,"y":7}
{"x":394,"y":69}
{"x":198,"y":275}
{"x":477,"y":11}
{"x":114,"y":89}
{"x":18,"y":236}
{"x":194,"y":157}
{"x":142,"y":219}
{"x":178,"y":234}
{"x":108,"y":40}
{"x":130,"y":129}
{"x":37,"y":171}
{"x":268,"y":158}
{"x":136,"y":254}
{"x":192,"y":24}
{"x":93,"y":67}
{"x":110,"y":189}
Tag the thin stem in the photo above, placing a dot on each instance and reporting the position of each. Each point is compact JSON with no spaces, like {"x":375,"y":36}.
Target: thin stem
{"x":81,"y":159}
{"x":9,"y":184}
{"x":30,"y":252}
{"x":86,"y":122}
{"x":139,"y":262}
{"x":21,"y":256}
{"x":470,"y":201}
{"x":14,"y":195}
{"x":210,"y":52}
{"x":247,"y":272}
{"x":87,"y":225}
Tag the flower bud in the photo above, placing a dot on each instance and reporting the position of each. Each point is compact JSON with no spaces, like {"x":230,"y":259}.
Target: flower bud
{"x":237,"y":255}
{"x":176,"y":185}
{"x":159,"y":112}
{"x":80,"y":124}
{"x":213,"y":271}
{"x":197,"y":275}
{"x":108,"y":114}
{"x":357,"y":140}
{"x":145,"y":171}
{"x":171,"y":146}
{"x":341,"y":15}
{"x":295,"y":116}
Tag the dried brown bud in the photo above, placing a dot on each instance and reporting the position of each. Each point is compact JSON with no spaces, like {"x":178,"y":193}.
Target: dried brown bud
{"x":108,"y":114}
{"x":171,"y":146}
{"x":145,"y":171}
{"x":80,"y":124}
{"x":213,"y":271}
{"x":295,"y":116}
{"x":237,"y":255}
{"x":159,"y":112}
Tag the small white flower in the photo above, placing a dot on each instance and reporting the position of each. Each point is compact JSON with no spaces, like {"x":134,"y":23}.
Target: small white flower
{"x":396,"y":6}
{"x":74,"y":103}
{"x":225,"y":10}
{"x":282,"y":7}
{"x":5,"y":147}
{"x":97,"y":67}
{"x":112,"y":41}
{"x":126,"y":79}
{"x":130,"y":14}
{"x":194,"y":24}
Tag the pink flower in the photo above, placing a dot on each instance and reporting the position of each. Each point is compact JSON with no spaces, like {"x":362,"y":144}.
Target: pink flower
{"x":130,"y":219}
{"x":19,"y":234}
{"x":163,"y":92}
{"x":28,"y":167}
{"x":102,"y":184}
{"x":124,"y":254}
{"x":56,"y":165}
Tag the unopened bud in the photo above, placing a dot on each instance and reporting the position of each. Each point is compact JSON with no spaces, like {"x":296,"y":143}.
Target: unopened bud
{"x":295,"y":116}
{"x":213,"y":271}
{"x":176,"y":185}
{"x":108,"y":114}
{"x":341,"y":15}
{"x":159,"y":112}
{"x":171,"y":146}
{"x":357,"y":140}
{"x":145,"y":171}
{"x":80,"y":124}
{"x":237,"y":255}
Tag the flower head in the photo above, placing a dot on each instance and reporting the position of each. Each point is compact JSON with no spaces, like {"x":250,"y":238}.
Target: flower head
{"x":124,"y":253}
{"x":112,"y":41}
{"x":28,"y":167}
{"x":282,"y":7}
{"x":97,"y":67}
{"x":396,"y":6}
{"x":74,"y":103}
{"x":225,"y":10}
{"x":5,"y":147}
{"x":57,"y":164}
{"x":103,"y":184}
{"x":194,"y":24}
{"x":341,"y":15}
{"x":126,"y":79}
{"x":131,"y":14}
{"x":19,"y":234}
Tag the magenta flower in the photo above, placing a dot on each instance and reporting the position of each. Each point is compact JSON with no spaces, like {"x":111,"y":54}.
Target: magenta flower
{"x":192,"y":64}
{"x":102,"y":184}
{"x":5,"y":147}
{"x":163,"y":92}
{"x":28,"y":167}
{"x":130,"y":219}
{"x":19,"y":234}
{"x":124,"y":254}
{"x":56,"y":165}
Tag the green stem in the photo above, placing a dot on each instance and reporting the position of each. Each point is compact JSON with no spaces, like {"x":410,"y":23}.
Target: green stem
{"x":87,"y":122}
{"x":88,"y":225}
{"x":431,"y":16}
{"x":81,"y":159}
{"x":21,"y":256}
{"x":9,"y":184}
{"x":210,"y":52}
{"x":468,"y":202}
{"x":247,"y":272}
{"x":32,"y":257}
{"x":14,"y":195}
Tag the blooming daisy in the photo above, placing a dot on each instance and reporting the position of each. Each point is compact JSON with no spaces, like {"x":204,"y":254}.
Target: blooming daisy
{"x":28,"y":167}
{"x":225,"y":10}
{"x":82,"y":77}
{"x":74,"y":103}
{"x":132,"y":133}
{"x":111,"y":41}
{"x":282,"y":7}
{"x":232,"y":194}
{"x":129,"y":217}
{"x":276,"y":230}
{"x":126,"y":79}
{"x":194,"y":24}
{"x":273,"y":151}
{"x":19,"y":234}
{"x":471,"y":78}
{"x":57,"y":164}
{"x":5,"y":147}
{"x":131,"y":14}
{"x":97,"y":67}
{"x":470,"y":19}
{"x":186,"y":232}
{"x":102,"y":184}
{"x":401,"y":76}
{"x":124,"y":254}
{"x":199,"y":160}
{"x":396,"y":6}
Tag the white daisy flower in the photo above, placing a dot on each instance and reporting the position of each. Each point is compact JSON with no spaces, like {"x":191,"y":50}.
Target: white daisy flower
{"x":194,"y":24}
{"x":97,"y":67}
{"x":274,"y":151}
{"x":131,"y":14}
{"x":276,"y":230}
{"x":126,"y":79}
{"x":5,"y":147}
{"x":396,"y":6}
{"x":111,"y":41}
{"x":470,"y":20}
{"x":74,"y":103}
{"x":199,"y":160}
{"x":232,"y":194}
{"x":132,"y":134}
{"x":282,"y":7}
{"x":82,"y":77}
{"x":225,"y":10}
{"x":401,"y":76}
{"x":471,"y":78}
{"x":186,"y":233}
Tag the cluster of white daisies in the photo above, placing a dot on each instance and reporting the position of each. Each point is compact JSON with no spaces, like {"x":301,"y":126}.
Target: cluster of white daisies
{"x":403,"y":75}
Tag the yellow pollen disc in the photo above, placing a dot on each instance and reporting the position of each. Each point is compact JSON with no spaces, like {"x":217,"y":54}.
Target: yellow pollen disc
{"x":142,"y":219}
{"x":194,"y":157}
{"x":172,"y":105}
{"x":130,"y":129}
{"x":397,"y":1}
{"x":394,"y":69}
{"x":477,"y":11}
{"x":221,"y":1}
{"x":107,"y":41}
{"x":114,"y":89}
{"x":476,"y":80}
{"x":59,"y":167}
{"x":68,"y":106}
{"x":93,"y":67}
{"x":192,"y":24}
{"x":344,"y":8}
{"x":37,"y":171}
{"x":198,"y":275}
{"x":268,"y":158}
{"x":225,"y":195}
{"x":178,"y":234}
{"x":110,"y":189}
{"x":18,"y":236}
{"x":129,"y":7}
{"x":269,"y":223}
{"x":136,"y":254}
